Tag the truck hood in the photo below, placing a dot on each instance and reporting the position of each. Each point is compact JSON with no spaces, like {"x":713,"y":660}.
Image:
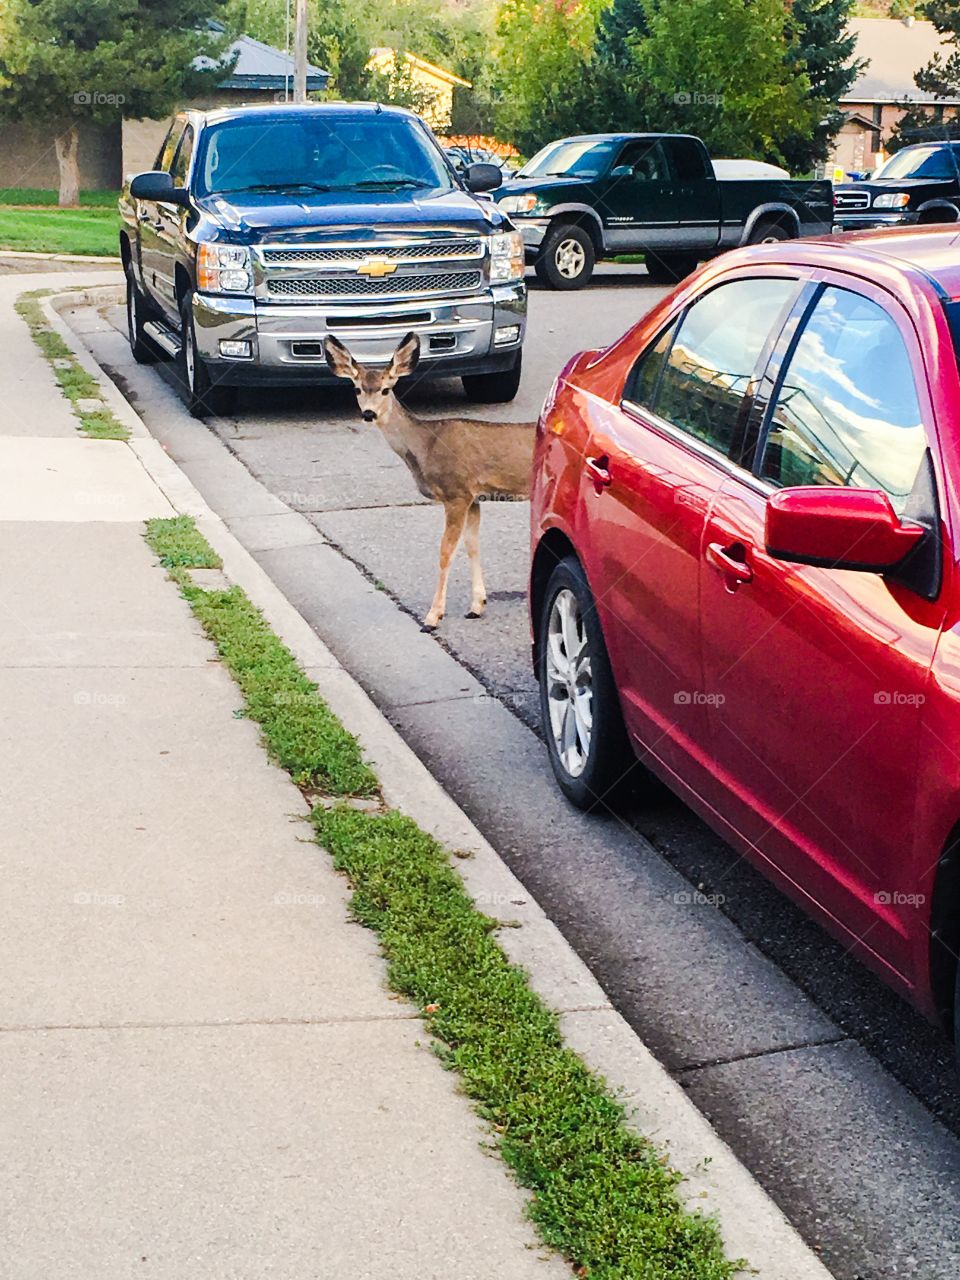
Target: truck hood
{"x":547,"y":190}
{"x":254,"y":217}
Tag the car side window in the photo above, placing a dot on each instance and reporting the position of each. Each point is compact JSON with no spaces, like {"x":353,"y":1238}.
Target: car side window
{"x":184,"y":153}
{"x":710,"y":364}
{"x":647,"y":160}
{"x":847,"y":411}
{"x":644,"y":380}
{"x":689,"y":159}
{"x":165,"y":159}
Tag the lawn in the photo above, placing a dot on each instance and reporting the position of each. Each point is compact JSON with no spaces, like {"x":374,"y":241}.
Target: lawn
{"x":31,"y":221}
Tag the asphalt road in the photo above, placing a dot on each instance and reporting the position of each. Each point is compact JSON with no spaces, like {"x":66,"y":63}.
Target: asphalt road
{"x":844,"y":1103}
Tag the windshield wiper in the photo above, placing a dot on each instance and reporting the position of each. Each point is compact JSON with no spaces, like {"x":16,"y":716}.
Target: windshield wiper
{"x":391,"y":182}
{"x":275,"y":186}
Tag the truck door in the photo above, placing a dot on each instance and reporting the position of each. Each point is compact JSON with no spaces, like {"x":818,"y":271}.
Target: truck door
{"x":169,"y":226}
{"x":696,"y":194}
{"x":151,"y":221}
{"x":637,"y":203}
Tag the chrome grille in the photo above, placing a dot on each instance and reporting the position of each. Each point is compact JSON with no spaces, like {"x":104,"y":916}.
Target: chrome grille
{"x":430,"y":251}
{"x":853,"y":199}
{"x":392,"y":286}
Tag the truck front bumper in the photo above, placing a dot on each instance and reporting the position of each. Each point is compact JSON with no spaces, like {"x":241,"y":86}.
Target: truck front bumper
{"x":249,"y":342}
{"x":868,"y":220}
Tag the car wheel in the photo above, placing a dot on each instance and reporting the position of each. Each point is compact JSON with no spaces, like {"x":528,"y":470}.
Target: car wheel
{"x":493,"y":388}
{"x":566,"y":259}
{"x":203,"y":397}
{"x":579,"y":705}
{"x":669,"y":268}
{"x":141,"y":346}
{"x":769,"y":233}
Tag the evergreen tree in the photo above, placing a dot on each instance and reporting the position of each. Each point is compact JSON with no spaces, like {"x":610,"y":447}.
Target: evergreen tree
{"x":825,"y":50}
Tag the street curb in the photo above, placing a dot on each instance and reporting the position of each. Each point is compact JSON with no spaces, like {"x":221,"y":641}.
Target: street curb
{"x":87,"y":259}
{"x":715,"y":1181}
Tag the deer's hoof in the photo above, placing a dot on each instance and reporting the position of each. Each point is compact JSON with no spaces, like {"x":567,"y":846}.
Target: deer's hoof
{"x":474,"y":613}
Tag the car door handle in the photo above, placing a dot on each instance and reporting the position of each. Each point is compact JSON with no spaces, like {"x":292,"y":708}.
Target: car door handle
{"x":721,"y":558}
{"x":597,"y":469}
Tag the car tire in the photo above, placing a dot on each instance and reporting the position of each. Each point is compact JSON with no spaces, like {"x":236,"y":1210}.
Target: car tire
{"x":566,"y":258}
{"x":590,"y":773}
{"x":202,"y":396}
{"x":493,"y":388}
{"x":142,"y":348}
{"x":766,"y":232}
{"x":669,"y":268}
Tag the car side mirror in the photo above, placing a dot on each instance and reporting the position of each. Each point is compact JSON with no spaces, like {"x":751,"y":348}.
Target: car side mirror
{"x":157,"y":185}
{"x":622,"y":171}
{"x":483,"y":177}
{"x":838,"y":528}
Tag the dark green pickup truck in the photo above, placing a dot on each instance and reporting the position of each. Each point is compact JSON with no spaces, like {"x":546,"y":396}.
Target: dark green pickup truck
{"x":591,"y":197}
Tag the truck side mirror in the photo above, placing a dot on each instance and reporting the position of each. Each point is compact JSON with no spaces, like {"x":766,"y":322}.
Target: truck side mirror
{"x":483,"y":177}
{"x":157,"y":185}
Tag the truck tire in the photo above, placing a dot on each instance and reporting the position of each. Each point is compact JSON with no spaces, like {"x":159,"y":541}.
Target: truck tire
{"x":202,"y":396}
{"x":142,"y":348}
{"x":668,"y":268}
{"x":493,"y":388}
{"x":566,"y":258}
{"x":769,"y":232}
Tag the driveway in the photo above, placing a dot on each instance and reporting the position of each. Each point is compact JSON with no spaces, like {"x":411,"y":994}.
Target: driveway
{"x":843,"y":1102}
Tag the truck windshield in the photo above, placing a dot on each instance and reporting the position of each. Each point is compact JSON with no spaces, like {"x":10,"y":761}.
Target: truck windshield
{"x":920,"y":162}
{"x":575,"y":158}
{"x":309,"y":153}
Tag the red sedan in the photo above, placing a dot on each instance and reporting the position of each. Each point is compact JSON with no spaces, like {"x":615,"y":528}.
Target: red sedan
{"x":746,"y":531}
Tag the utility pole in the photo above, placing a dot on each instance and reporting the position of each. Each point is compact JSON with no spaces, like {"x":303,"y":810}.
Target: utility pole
{"x":300,"y":53}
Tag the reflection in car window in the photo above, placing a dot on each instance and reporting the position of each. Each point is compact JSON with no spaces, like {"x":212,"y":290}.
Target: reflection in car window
{"x":646,"y":159}
{"x":847,"y":411}
{"x":169,"y":147}
{"x":644,"y":377}
{"x":182,"y":162}
{"x":713,"y":358}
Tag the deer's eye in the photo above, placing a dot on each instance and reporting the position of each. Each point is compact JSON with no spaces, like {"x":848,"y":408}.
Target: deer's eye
{"x":385,"y":391}
{"x":356,"y":391}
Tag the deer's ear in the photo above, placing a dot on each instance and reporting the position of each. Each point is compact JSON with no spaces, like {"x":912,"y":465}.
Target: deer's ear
{"x":405,"y":357}
{"x":339,"y":358}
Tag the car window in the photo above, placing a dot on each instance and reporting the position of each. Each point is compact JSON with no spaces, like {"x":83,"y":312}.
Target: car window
{"x":708,"y":367}
{"x":165,"y":159}
{"x":847,"y":411}
{"x":647,"y":159}
{"x":182,"y":162}
{"x":689,"y":160}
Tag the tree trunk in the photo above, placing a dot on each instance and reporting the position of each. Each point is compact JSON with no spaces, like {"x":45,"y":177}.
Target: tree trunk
{"x":67,"y":145}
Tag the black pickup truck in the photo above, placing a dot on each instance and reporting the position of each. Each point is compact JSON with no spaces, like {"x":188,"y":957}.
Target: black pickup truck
{"x":918,"y":185}
{"x":591,"y":197}
{"x":263,"y":229}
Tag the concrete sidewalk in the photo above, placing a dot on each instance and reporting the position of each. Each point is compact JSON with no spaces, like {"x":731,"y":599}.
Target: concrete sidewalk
{"x":204,"y":1074}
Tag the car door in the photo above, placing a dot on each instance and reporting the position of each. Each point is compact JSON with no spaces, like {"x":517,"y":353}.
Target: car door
{"x":636,"y":199}
{"x":151,"y":222}
{"x":696,"y":194}
{"x":169,"y":225}
{"x":816,"y":676}
{"x":654,"y":463}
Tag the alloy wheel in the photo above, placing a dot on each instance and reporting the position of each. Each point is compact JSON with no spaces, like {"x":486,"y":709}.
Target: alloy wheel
{"x":570,"y":258}
{"x":569,"y":683}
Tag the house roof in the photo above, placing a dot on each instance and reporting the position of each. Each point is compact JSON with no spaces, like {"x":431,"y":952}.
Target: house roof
{"x":896,"y":50}
{"x":260,"y":66}
{"x":384,"y":55}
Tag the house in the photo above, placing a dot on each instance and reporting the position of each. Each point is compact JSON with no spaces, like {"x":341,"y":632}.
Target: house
{"x":433,"y":85}
{"x":261,"y":74}
{"x":895,"y":50}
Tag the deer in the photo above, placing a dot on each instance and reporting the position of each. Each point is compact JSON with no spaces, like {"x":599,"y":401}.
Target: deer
{"x":453,"y":461}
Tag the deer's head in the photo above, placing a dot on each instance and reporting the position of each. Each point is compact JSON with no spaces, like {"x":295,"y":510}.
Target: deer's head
{"x":373,"y":387}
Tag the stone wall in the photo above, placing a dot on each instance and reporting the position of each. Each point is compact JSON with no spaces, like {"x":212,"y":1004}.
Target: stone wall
{"x":28,"y":157}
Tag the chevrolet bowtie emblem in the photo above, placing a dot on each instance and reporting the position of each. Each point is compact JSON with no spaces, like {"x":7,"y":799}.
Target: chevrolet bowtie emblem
{"x":376,"y":267}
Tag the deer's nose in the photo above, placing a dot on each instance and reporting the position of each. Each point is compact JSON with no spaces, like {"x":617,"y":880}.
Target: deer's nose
{"x":368,"y":415}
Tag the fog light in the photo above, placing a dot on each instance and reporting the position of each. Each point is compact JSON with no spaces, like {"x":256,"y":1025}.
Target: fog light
{"x":509,"y":333}
{"x":236,"y":350}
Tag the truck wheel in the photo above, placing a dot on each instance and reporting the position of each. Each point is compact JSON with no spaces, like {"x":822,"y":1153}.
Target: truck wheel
{"x":203,"y":396}
{"x":493,"y":388}
{"x":767,"y":232}
{"x":143,"y":350}
{"x":566,"y":259}
{"x":668,"y":268}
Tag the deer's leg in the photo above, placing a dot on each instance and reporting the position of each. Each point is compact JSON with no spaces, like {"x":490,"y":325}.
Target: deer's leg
{"x":478,"y":595}
{"x":455,"y":515}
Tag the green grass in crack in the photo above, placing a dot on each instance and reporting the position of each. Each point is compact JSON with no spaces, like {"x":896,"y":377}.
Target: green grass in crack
{"x":602,"y":1195}
{"x":300,"y":731}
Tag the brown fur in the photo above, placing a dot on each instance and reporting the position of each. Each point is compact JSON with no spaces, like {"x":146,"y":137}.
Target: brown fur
{"x":453,"y":461}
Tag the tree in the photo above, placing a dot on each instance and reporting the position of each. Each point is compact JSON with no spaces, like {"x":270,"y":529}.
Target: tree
{"x":727,"y":70}
{"x":940,"y":77}
{"x":824,"y":49}
{"x":65,"y":61}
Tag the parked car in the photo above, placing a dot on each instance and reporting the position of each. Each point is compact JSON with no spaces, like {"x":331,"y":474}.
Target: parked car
{"x":263,"y":229}
{"x":587,"y":198}
{"x":920,"y":184}
{"x":746,"y":572}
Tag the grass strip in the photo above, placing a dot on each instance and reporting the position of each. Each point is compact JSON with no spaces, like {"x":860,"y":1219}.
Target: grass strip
{"x":75,"y":383}
{"x":33,"y":196}
{"x":602,"y":1195}
{"x":300,"y":731}
{"x":90,"y":231}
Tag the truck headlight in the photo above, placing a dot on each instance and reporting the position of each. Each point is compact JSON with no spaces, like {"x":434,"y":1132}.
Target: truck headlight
{"x":224,"y":268}
{"x":506,"y":257}
{"x":519,"y":204}
{"x":891,"y":200}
